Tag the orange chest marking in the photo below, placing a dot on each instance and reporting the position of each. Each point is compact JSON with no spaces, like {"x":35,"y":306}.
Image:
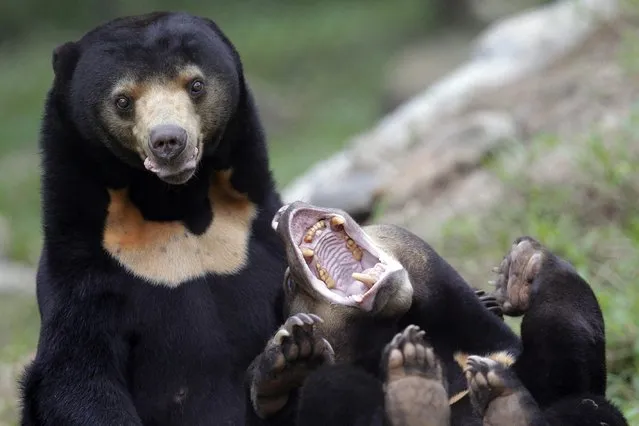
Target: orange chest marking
{"x":166,"y":253}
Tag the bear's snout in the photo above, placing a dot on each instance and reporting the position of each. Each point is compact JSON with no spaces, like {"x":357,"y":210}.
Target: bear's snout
{"x":167,"y":141}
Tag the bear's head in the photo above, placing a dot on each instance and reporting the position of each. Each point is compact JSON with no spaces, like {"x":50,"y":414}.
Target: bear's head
{"x":156,"y":90}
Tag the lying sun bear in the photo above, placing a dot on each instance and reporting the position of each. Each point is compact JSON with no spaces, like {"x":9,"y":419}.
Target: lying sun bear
{"x":381,"y":279}
{"x":348,"y":287}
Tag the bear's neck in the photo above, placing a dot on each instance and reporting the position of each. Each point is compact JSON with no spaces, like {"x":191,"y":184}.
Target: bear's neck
{"x":188,"y":203}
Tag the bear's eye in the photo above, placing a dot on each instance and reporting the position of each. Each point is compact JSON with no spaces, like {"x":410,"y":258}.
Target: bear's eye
{"x":289,"y":283}
{"x":197,"y":86}
{"x":123,"y":103}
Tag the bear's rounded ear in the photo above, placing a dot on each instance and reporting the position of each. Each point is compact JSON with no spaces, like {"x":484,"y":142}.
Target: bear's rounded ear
{"x":64,"y":59}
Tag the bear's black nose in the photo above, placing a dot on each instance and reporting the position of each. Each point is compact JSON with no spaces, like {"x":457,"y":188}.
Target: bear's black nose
{"x":167,"y":141}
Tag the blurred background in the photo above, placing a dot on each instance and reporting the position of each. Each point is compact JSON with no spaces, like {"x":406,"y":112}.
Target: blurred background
{"x":470,"y":122}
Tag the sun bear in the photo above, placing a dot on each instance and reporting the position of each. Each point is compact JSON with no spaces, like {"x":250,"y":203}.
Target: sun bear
{"x":347,"y":290}
{"x":160,"y":276}
{"x":560,"y":377}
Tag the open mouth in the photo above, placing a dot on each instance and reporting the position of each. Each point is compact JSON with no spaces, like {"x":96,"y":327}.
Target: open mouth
{"x":174,"y":173}
{"x":340,"y":261}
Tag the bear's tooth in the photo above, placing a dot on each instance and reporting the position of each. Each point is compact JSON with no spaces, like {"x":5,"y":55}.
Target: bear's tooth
{"x":366,"y":279}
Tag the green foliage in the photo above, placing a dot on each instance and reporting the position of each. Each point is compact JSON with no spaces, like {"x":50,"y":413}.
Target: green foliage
{"x":592,"y":221}
{"x":24,"y":79}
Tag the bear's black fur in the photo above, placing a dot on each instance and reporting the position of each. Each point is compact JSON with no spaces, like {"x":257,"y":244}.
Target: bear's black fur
{"x":443,"y":305}
{"x":562,"y":364}
{"x":115,"y":348}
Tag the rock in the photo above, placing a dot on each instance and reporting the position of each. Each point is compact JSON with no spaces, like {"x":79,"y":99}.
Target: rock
{"x":357,"y":193}
{"x":503,"y":54}
{"x":580,"y":89}
{"x":416,"y":67}
{"x":452,"y":153}
{"x":476,"y":192}
{"x":529,"y":41}
{"x":16,"y":278}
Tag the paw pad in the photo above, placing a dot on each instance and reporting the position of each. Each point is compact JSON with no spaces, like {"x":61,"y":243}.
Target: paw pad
{"x":414,"y":385}
{"x":408,"y":354}
{"x":515,"y":275}
{"x":489,"y":378}
{"x":295,"y":350}
{"x":297,"y":339}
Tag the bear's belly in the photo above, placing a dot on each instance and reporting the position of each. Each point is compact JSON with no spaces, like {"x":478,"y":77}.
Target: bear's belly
{"x":188,"y":363}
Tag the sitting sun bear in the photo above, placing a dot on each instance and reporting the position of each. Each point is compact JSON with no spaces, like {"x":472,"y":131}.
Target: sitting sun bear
{"x":160,"y":276}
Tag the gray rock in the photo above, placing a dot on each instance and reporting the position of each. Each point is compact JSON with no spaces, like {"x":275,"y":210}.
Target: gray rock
{"x":531,"y":40}
{"x":503,"y":54}
{"x":355,"y":193}
{"x":16,"y":278}
{"x":425,"y":214}
{"x":450,"y":154}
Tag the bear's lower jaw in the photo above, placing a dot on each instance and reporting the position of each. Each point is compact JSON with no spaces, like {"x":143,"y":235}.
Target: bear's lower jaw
{"x":174,"y":174}
{"x":177,"y":178}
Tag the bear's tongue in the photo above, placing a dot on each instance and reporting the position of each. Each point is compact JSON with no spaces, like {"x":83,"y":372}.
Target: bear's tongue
{"x":336,"y":259}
